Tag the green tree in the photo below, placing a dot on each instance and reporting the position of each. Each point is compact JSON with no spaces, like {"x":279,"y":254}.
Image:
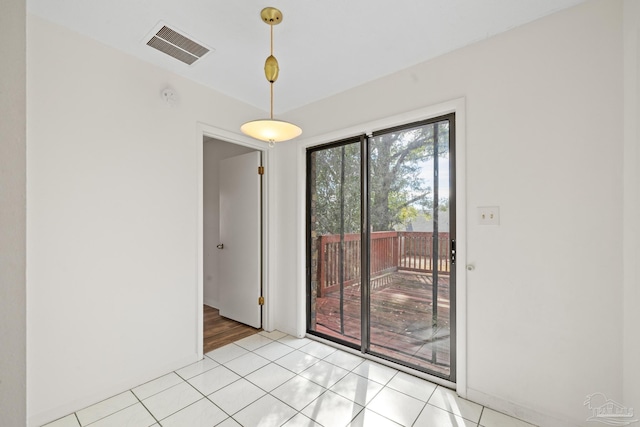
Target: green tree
{"x":397,"y":188}
{"x":337,"y":189}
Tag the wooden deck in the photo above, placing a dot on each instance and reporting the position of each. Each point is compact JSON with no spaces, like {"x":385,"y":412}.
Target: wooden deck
{"x":401,"y":319}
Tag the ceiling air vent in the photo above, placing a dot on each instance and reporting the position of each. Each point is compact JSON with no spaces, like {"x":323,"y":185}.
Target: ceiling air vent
{"x":177,"y":46}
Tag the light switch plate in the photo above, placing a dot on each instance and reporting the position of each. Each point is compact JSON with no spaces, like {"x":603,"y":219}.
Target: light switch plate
{"x":489,"y":215}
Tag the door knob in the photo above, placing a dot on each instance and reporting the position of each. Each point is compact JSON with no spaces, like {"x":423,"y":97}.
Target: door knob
{"x":220,"y":246}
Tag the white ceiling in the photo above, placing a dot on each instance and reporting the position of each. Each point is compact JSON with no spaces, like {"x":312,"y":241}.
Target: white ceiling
{"x":323,"y":47}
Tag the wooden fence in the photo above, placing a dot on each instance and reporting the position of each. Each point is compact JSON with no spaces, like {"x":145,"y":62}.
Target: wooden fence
{"x":390,"y":251}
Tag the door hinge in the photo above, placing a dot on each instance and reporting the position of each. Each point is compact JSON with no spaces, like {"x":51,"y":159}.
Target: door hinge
{"x":260,"y":300}
{"x":260,"y":170}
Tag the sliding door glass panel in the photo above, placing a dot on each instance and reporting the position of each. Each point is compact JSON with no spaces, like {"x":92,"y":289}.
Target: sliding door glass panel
{"x":333,"y":236}
{"x":401,"y":307}
{"x":409,"y":246}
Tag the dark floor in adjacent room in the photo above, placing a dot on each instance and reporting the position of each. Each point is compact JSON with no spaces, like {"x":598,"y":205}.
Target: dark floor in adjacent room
{"x":220,"y":331}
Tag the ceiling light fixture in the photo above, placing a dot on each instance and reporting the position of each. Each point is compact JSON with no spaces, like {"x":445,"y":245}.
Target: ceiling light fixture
{"x":270,"y":130}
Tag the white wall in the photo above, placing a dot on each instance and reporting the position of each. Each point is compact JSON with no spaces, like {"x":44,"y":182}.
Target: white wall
{"x":13,"y":138}
{"x":545,"y":143}
{"x":113,"y":209}
{"x":631,"y":367}
{"x":213,"y":152}
{"x":113,"y":202}
{"x":288,"y":306}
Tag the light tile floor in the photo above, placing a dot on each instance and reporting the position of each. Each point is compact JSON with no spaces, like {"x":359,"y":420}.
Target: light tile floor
{"x":272,"y":379}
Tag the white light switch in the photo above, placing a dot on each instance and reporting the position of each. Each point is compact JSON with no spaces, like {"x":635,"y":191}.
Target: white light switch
{"x":489,"y":215}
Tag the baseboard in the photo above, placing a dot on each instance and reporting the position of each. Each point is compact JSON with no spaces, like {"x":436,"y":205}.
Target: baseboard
{"x":211,"y":302}
{"x":519,"y":411}
{"x":48,"y":416}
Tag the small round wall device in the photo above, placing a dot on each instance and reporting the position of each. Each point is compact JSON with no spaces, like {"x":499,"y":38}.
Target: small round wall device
{"x":169,"y":96}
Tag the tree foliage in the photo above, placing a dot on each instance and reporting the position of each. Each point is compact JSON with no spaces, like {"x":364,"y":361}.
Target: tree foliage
{"x":336,"y":194}
{"x":397,"y":186}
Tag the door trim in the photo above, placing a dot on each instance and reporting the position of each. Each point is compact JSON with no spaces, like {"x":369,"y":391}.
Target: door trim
{"x":457,"y":106}
{"x":202,"y":130}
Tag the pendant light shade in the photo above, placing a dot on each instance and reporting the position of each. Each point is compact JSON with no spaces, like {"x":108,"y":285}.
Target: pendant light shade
{"x":271,"y":130}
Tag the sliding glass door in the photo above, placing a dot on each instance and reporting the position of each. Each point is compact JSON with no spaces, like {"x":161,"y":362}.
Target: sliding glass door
{"x":334,"y":241}
{"x":381,"y":241}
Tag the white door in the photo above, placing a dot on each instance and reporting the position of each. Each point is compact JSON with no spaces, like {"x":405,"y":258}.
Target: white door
{"x":240,"y":239}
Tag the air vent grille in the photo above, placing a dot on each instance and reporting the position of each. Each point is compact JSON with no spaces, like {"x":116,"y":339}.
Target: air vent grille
{"x":177,"y":46}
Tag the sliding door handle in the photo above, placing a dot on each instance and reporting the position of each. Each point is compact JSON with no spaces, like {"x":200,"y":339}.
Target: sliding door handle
{"x":453,"y":251}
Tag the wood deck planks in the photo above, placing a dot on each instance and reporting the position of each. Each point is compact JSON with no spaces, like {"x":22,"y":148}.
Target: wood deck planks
{"x":401,"y":317}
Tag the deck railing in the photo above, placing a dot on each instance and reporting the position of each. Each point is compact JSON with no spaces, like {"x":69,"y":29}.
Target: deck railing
{"x":390,"y":251}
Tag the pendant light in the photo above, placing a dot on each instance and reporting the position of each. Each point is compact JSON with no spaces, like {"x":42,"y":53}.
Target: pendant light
{"x":271,"y":130}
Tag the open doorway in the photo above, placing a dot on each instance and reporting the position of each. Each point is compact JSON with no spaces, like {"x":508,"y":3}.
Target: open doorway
{"x":232,"y":217}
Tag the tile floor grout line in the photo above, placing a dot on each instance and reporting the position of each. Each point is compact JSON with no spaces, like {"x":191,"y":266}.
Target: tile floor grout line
{"x":97,"y":403}
{"x":313,"y":400}
{"x":145,"y":407}
{"x":194,"y":387}
{"x":356,"y":415}
{"x":112,"y":413}
{"x":191,"y":404}
{"x":150,"y":381}
{"x":385,"y":385}
{"x":296,"y":373}
{"x":384,"y":416}
{"x":329,"y":366}
{"x":252,"y":383}
{"x":324,"y":391}
{"x":268,"y":393}
{"x":225,"y":412}
{"x":291,"y":417}
{"x":220,"y":389}
{"x":432,"y":393}
{"x":419,"y":413}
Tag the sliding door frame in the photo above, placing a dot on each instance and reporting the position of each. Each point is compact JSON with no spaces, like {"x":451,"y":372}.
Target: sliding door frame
{"x":308,"y":254}
{"x":456,"y":106}
{"x":365,"y":247}
{"x":365,"y":240}
{"x":366,"y":235}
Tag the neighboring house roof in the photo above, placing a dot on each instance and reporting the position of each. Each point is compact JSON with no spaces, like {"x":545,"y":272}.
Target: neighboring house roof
{"x":422,"y":223}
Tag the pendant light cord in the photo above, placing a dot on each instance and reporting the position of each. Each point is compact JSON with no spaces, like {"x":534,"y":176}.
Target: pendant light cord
{"x":271,"y":26}
{"x":271,"y":83}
